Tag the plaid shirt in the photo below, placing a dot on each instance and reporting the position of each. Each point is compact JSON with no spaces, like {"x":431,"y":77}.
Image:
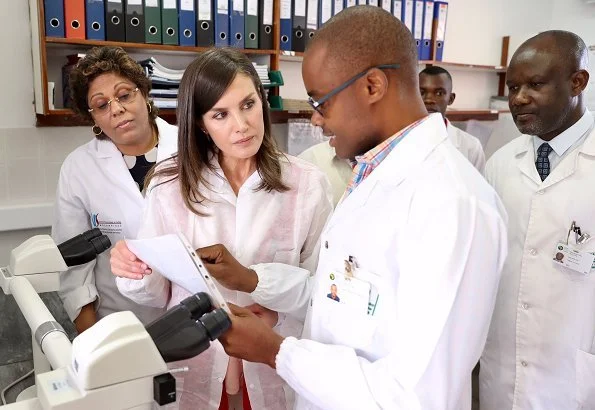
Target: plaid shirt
{"x":365,"y":164}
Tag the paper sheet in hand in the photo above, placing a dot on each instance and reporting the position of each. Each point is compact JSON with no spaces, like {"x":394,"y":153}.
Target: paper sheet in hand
{"x":174,"y":258}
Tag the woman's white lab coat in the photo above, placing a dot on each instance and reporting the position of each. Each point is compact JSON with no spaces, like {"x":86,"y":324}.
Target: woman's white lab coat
{"x":255,"y":227}
{"x":96,"y":189}
{"x":429,"y":234}
{"x":540,"y":352}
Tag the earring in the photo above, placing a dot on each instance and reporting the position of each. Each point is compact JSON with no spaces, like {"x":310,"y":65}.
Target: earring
{"x":97,"y":133}
{"x":149,"y":106}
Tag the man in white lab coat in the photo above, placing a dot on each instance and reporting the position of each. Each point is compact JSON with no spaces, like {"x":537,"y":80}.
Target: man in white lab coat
{"x":540,"y":352}
{"x":415,"y":248}
{"x":435,"y":86}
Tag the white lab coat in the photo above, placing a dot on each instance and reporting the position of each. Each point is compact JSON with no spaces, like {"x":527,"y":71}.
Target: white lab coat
{"x":95,"y":181}
{"x":430,"y":234}
{"x":336,"y":169}
{"x":339,"y":171}
{"x":255,"y":227}
{"x":540,"y":351}
{"x":468,"y":145}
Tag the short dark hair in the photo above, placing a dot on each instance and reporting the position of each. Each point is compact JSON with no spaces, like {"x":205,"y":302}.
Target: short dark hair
{"x":436,"y":70}
{"x":381,"y":39}
{"x":102,"y":60}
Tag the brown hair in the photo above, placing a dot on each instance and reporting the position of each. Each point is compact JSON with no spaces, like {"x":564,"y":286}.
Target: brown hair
{"x":102,"y":60}
{"x":204,"y":82}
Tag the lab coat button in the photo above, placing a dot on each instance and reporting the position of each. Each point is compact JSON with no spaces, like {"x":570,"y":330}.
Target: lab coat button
{"x":220,"y":379}
{"x":524,"y":363}
{"x":251,"y":386}
{"x":541,"y":192}
{"x":533,"y":252}
{"x":525,"y":306}
{"x":326,"y":244}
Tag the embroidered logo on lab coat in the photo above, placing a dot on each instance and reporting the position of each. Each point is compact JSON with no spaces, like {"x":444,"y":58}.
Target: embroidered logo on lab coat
{"x":106,"y":226}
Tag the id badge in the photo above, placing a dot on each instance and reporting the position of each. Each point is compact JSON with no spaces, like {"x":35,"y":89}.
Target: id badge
{"x":358,"y":286}
{"x":574,"y":259}
{"x":349,"y":292}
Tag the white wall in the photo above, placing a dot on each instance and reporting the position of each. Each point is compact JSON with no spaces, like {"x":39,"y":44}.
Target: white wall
{"x":29,"y":157}
{"x":576,"y":16}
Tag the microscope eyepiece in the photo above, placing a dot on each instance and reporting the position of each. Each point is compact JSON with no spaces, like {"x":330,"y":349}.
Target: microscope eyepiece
{"x":216,"y":323}
{"x":197,"y":304}
{"x":84,"y":248}
{"x":100,"y":243}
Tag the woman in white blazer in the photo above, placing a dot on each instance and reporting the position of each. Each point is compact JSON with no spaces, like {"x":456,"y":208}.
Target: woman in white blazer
{"x":230,"y":184}
{"x":99,"y":181}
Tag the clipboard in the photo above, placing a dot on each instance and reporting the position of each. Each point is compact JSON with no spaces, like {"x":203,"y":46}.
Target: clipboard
{"x":174,"y":258}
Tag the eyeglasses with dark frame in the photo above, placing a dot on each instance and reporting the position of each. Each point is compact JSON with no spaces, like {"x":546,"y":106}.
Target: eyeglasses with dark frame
{"x":317,"y":104}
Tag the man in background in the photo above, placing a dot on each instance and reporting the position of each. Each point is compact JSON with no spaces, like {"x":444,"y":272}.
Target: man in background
{"x":540,"y":350}
{"x":435,"y":85}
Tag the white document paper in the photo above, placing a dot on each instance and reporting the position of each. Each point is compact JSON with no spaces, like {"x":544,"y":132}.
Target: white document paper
{"x":171,"y":256}
{"x":327,"y":10}
{"x":238,"y":5}
{"x":285,"y":9}
{"x":386,"y":5}
{"x":222,"y":6}
{"x":419,"y":18}
{"x":312,"y":20}
{"x":169,"y":4}
{"x":252,"y":7}
{"x":267,"y":12}
{"x":204,"y":10}
{"x":187,"y":5}
{"x":299,"y":8}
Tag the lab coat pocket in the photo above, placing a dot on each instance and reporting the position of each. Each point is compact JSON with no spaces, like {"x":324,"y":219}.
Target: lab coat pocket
{"x":585,"y":380}
{"x":346,"y":327}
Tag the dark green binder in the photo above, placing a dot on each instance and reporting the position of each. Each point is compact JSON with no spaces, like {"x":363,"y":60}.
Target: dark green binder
{"x":169,"y":22}
{"x":153,"y":21}
{"x":251,"y":24}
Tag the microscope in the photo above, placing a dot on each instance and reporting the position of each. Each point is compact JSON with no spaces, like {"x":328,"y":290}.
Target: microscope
{"x":118,"y":363}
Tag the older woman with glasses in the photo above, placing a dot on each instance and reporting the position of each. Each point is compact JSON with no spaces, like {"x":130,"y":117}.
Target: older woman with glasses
{"x":101,"y":182}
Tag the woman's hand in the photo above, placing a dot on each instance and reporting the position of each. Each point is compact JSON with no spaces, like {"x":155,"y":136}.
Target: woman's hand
{"x":125,"y":264}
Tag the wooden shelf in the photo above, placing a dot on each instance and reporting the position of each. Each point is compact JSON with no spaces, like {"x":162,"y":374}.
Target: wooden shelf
{"x":293,"y":109}
{"x":297,"y":56}
{"x":142,"y":46}
{"x":463,"y":66}
{"x":291,"y":53}
{"x":478,"y":115}
{"x":67,"y":118}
